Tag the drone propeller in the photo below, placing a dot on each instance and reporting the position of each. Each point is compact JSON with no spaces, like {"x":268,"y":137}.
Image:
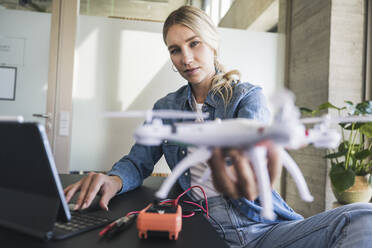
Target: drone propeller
{"x":283,"y":104}
{"x":150,"y":114}
{"x":329,"y":119}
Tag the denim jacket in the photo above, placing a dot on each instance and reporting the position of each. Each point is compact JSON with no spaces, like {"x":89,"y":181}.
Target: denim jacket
{"x":247,"y":102}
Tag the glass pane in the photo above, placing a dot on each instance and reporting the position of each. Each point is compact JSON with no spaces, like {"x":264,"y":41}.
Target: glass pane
{"x":119,"y":65}
{"x":124,"y":65}
{"x":24,"y":54}
{"x":152,"y":10}
{"x":44,"y":6}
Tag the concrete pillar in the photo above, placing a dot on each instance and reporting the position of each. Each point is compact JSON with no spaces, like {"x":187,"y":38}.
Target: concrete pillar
{"x":325,"y":63}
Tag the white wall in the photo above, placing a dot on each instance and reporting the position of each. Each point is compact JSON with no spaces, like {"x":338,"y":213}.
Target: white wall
{"x":257,"y":55}
{"x":27,"y":35}
{"x":124,"y":65}
{"x":120,"y":65}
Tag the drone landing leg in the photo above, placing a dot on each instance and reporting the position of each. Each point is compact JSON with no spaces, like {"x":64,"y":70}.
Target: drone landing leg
{"x":198,"y":156}
{"x":297,"y":176}
{"x":257,"y":155}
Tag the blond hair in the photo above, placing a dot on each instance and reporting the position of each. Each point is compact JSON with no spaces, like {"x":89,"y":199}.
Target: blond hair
{"x":201,"y":24}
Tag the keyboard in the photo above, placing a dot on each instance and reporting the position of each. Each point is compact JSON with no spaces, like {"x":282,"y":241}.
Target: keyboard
{"x":80,"y":222}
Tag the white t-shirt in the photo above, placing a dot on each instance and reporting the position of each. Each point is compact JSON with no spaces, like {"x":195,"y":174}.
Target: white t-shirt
{"x":197,"y":171}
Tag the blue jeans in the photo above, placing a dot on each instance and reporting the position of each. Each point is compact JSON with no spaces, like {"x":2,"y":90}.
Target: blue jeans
{"x":346,"y":226}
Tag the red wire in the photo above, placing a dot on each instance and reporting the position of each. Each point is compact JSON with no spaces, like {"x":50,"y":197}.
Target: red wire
{"x":167,"y":201}
{"x":133,"y":212}
{"x":107,"y":228}
{"x":187,"y":190}
{"x":173,"y":202}
{"x":188,"y":215}
{"x":195,"y":204}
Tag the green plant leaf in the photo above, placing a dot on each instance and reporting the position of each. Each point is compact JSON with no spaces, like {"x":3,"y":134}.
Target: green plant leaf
{"x":366,"y":129}
{"x":350,"y":126}
{"x":358,"y":146}
{"x":343,"y":147}
{"x":344,"y":125}
{"x":327,"y":105}
{"x":361,"y":172}
{"x":341,"y":179}
{"x":368,"y":168}
{"x":362,"y":154}
{"x":304,"y":110}
{"x":352,"y":162}
{"x":364,"y":107}
{"x":336,"y":154}
{"x":351,"y":110}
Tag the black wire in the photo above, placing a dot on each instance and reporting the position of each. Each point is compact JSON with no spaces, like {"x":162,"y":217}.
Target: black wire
{"x":200,"y":210}
{"x":221,"y":227}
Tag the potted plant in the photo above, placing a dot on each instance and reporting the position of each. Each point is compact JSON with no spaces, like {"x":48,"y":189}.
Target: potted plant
{"x":351,"y":165}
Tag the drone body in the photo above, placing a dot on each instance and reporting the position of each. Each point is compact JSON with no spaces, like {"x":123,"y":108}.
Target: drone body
{"x":239,"y":133}
{"x":242,"y":133}
{"x":286,"y":131}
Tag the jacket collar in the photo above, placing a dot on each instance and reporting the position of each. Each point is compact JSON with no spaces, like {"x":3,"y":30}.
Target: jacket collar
{"x":210,"y":100}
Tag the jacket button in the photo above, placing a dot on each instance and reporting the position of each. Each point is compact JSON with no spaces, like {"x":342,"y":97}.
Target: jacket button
{"x":165,"y":141}
{"x":183,"y":152}
{"x":186,"y":173}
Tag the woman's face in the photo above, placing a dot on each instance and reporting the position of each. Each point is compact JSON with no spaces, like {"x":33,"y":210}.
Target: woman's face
{"x":193,"y":58}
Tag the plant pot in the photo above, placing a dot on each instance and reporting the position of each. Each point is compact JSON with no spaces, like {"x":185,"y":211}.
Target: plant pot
{"x":361,"y":191}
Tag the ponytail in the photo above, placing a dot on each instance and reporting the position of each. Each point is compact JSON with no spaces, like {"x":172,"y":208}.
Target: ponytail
{"x":223,"y":82}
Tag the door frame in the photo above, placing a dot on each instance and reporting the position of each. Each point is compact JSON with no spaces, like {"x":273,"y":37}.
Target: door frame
{"x":60,"y":79}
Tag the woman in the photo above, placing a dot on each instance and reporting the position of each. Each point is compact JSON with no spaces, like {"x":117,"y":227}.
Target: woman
{"x":192,"y":42}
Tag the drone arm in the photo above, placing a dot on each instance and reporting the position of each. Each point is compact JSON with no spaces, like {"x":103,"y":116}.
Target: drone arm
{"x":257,"y":156}
{"x":200,"y":155}
{"x":297,"y":176}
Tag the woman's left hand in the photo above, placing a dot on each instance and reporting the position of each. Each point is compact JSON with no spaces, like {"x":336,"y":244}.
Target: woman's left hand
{"x":239,"y":180}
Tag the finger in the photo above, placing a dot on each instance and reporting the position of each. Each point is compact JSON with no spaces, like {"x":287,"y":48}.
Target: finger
{"x":231,"y":173}
{"x":221,"y":180}
{"x":109,"y":190}
{"x":65,"y":190}
{"x":246,"y":177}
{"x":94,"y":187}
{"x":84,"y":190}
{"x":71,"y":190}
{"x":105,"y":199}
{"x":107,"y":194}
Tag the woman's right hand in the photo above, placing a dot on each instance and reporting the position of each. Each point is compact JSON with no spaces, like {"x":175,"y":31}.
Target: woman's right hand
{"x":243,"y":181}
{"x":91,"y":185}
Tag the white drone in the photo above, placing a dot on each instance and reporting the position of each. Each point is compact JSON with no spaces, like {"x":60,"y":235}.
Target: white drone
{"x":286,"y":131}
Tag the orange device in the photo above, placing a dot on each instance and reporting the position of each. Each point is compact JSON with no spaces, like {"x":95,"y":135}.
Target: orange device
{"x":160,"y":218}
